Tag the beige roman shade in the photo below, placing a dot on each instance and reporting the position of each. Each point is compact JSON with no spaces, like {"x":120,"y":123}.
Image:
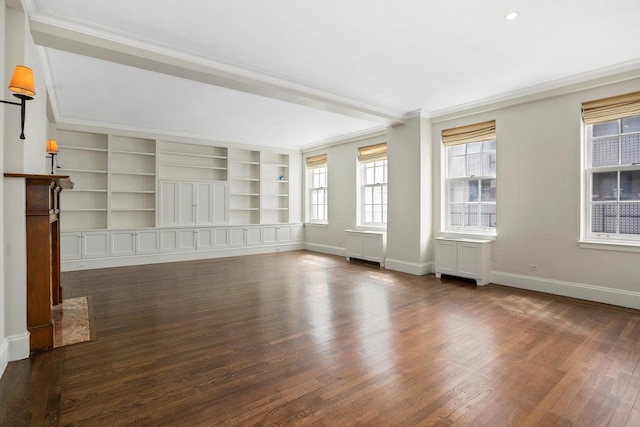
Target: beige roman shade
{"x":471,"y":133}
{"x":317,"y":161}
{"x":373,"y":153}
{"x":607,"y":109}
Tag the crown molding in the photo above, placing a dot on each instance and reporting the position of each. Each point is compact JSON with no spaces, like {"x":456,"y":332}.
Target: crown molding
{"x":344,"y":139}
{"x":603,"y":76}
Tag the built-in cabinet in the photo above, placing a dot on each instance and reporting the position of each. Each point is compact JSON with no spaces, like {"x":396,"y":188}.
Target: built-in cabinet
{"x":366,"y":245}
{"x":468,"y":258}
{"x":186,"y":203}
{"x":138,"y":196}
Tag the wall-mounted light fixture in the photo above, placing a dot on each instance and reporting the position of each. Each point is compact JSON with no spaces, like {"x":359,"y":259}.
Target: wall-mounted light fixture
{"x":52,"y":150}
{"x":25,"y":89}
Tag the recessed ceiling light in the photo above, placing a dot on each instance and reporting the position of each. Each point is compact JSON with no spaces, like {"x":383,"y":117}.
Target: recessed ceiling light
{"x":511,"y":16}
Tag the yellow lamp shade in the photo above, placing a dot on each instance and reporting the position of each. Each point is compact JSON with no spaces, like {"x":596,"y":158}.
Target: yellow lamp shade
{"x":22,"y":81}
{"x":52,"y":146}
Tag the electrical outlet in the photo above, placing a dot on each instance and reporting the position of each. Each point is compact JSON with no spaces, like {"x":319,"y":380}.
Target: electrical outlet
{"x":533,"y":267}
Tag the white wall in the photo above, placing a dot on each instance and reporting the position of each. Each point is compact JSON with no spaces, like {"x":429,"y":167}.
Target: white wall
{"x":342,"y":174}
{"x":4,"y":347}
{"x":409,"y":204}
{"x":18,"y":156}
{"x":538,"y":197}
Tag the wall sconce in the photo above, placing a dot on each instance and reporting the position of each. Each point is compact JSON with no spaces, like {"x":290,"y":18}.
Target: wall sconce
{"x":52,"y":150}
{"x":22,"y":83}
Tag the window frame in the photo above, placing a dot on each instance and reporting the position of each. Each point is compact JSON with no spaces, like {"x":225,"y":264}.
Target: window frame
{"x":467,"y":179}
{"x":313,"y":194}
{"x":588,"y":170}
{"x":365,"y":185}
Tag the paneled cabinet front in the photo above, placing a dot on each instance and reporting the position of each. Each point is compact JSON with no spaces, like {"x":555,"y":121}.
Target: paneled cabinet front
{"x":187,"y":203}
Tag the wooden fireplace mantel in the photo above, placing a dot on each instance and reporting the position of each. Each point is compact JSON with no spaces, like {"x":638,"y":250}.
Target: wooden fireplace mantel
{"x":42,"y":210}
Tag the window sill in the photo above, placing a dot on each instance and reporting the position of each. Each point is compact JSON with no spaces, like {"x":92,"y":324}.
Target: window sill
{"x":370,"y":228}
{"x":468,"y":235}
{"x":610,"y":246}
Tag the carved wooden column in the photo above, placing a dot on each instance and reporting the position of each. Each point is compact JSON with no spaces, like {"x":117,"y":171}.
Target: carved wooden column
{"x":43,"y":254}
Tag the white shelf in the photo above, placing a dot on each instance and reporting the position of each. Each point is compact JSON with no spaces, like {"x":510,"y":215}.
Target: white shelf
{"x":87,"y":190}
{"x":133,"y":173}
{"x":175,"y":165}
{"x":206,"y":156}
{"x":84,"y":210}
{"x":133,"y":192}
{"x":136,"y":153}
{"x":245,"y":209}
{"x":245,"y":162}
{"x":275,"y":209}
{"x":71,"y":147}
{"x":246,"y":179}
{"x":81,"y":171}
{"x":133,"y":210}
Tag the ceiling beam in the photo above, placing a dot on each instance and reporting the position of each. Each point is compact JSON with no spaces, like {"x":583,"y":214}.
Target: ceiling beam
{"x":167,"y":61}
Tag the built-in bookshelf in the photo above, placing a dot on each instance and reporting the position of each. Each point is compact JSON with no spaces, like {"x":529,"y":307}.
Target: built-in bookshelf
{"x":274,"y":185}
{"x":244,"y":186}
{"x":191,"y":161}
{"x":84,"y":156}
{"x":132,"y":177}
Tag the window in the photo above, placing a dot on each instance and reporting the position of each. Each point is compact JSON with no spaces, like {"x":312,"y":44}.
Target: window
{"x":373,"y":164}
{"x":470,"y":178}
{"x":612,"y":169}
{"x":318,"y":200}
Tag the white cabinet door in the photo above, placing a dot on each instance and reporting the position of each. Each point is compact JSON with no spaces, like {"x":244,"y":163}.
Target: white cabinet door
{"x":284,"y":234}
{"x":254,"y":236}
{"x":237,"y":237}
{"x":354,"y":245}
{"x":270,"y":235}
{"x":203,"y":198}
{"x":212,"y":238}
{"x":372,"y":246}
{"x":168,"y":240}
{"x":123,"y":243}
{"x":187,"y":240}
{"x":221,"y":238}
{"x":95,"y":244}
{"x":297,"y":233}
{"x":168,"y":203}
{"x":147,"y":241}
{"x":70,"y":246}
{"x":446,"y":256}
{"x":187,"y":203}
{"x":469,"y":260}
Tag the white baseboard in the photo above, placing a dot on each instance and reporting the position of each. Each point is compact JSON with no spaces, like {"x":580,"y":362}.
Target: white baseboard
{"x":326,"y":249}
{"x":89,"y":264}
{"x":409,"y":267}
{"x":12,"y":348}
{"x":619,"y":297}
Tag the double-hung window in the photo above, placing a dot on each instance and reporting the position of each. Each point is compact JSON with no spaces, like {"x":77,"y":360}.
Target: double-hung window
{"x":470,"y":178}
{"x":318,"y":192}
{"x":612,"y":169}
{"x":373,"y":165}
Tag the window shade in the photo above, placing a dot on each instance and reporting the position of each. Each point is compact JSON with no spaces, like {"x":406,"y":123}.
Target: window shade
{"x":470,"y":133}
{"x":607,"y":109}
{"x":317,"y":161}
{"x":373,"y":153}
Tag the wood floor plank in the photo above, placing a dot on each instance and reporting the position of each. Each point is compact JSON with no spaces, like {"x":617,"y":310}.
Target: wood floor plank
{"x":300,"y":338}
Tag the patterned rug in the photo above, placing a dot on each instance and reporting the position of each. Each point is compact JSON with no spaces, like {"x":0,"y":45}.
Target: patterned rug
{"x":71,"y":322}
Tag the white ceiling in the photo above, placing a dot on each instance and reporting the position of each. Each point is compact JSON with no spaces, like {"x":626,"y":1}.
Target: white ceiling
{"x":294,"y":73}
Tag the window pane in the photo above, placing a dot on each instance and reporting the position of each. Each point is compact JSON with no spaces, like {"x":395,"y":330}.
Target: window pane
{"x":474,"y":147}
{"x":489,"y":145}
{"x":488,"y":164}
{"x":377,"y":195}
{"x":369,"y":175}
{"x":606,"y":128}
{"x":604,"y":186}
{"x":605,"y":151}
{"x":456,"y":191}
{"x":630,"y":218}
{"x":474,"y":165}
{"x":630,"y":149}
{"x":604,"y":217}
{"x":488,"y":215}
{"x":630,"y":185}
{"x":472,"y":191}
{"x":455,"y":214}
{"x":457,"y":150}
{"x":368,"y":213}
{"x":488,"y":190}
{"x":457,"y":167}
{"x":631,"y":124}
{"x":472,"y":218}
{"x":368,"y":195}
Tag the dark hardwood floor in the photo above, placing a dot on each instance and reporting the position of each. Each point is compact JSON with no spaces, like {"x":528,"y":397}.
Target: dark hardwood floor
{"x":299,"y":338}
